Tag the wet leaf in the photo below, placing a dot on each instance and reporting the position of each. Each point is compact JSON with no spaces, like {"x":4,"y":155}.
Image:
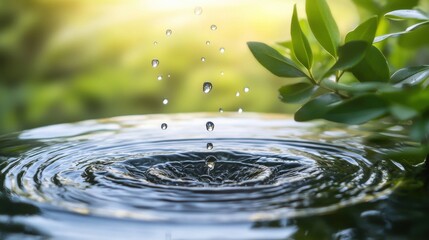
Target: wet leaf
{"x":316,"y":108}
{"x":301,"y":46}
{"x":373,"y":68}
{"x":296,"y":93}
{"x":358,"y":110}
{"x":272,"y":60}
{"x":396,"y":34}
{"x":323,"y":25}
{"x":407,"y":14}
{"x":364,"y":32}
{"x":410,"y":76}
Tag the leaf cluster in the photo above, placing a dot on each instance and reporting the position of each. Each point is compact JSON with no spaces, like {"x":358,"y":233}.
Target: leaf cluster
{"x":355,"y":84}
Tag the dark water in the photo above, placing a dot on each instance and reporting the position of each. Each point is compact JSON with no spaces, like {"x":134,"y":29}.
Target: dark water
{"x":126,"y":178}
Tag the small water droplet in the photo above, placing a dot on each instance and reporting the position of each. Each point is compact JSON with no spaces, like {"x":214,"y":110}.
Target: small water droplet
{"x":240,"y":110}
{"x":168,"y":75}
{"x":209,"y":146}
{"x":155,"y":63}
{"x":210,"y":126}
{"x":164,"y":126}
{"x":237,"y":94}
{"x":165,"y":101}
{"x":213,"y":27}
{"x":222,"y":73}
{"x":221,"y":110}
{"x":222,"y":50}
{"x":208,"y":42}
{"x":168,"y":32}
{"x":207,"y":87}
{"x":159,"y":77}
{"x":246,"y":89}
{"x":211,"y":162}
{"x":203,"y":59}
{"x":155,"y":43}
{"x":198,"y":10}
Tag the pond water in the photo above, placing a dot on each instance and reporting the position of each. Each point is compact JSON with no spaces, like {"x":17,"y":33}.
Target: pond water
{"x":254,"y":176}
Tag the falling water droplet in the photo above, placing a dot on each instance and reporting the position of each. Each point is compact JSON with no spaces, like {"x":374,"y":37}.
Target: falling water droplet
{"x":213,"y":27}
{"x":155,"y":63}
{"x":210,"y":126}
{"x":155,"y":43}
{"x":222,"y":73}
{"x":222,"y":50}
{"x":237,"y":94}
{"x":210,"y":162}
{"x":207,"y":87}
{"x":203,"y":59}
{"x":165,"y":101}
{"x":164,"y":126}
{"x":208,"y":42}
{"x":168,"y":32}
{"x":198,"y":10}
{"x":246,"y":89}
{"x":168,"y":75}
{"x":240,"y":110}
{"x":159,"y":77}
{"x":221,"y":110}
{"x":209,"y":146}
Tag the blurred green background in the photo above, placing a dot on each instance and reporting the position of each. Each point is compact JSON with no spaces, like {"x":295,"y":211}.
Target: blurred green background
{"x":70,"y":60}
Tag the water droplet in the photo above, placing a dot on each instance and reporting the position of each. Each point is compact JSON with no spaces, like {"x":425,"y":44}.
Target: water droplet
{"x":213,"y":27}
{"x":159,"y":77}
{"x":164,"y":126}
{"x":155,"y":63}
{"x":237,"y":94}
{"x":207,"y":87}
{"x":210,"y":126}
{"x":222,"y":50}
{"x":222,"y":73}
{"x":221,"y":110}
{"x":208,"y":42}
{"x":240,"y":110}
{"x":168,"y":75}
{"x":165,"y":101}
{"x":168,"y":32}
{"x":198,"y":10}
{"x":209,"y":146}
{"x":211,"y":162}
{"x":246,"y":89}
{"x":203,"y":59}
{"x":155,"y":43}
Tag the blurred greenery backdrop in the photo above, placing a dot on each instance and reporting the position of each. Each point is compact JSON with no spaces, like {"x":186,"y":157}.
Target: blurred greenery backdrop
{"x":70,"y":60}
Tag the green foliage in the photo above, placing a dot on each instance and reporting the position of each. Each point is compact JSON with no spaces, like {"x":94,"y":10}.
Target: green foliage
{"x":369,"y":92}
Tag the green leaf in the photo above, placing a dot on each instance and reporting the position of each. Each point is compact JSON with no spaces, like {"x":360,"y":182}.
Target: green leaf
{"x":396,"y":34}
{"x":402,"y":113}
{"x":323,"y":25}
{"x":301,"y":46}
{"x":373,"y":68}
{"x":364,"y":32}
{"x":316,"y":108}
{"x":410,"y":76}
{"x":407,"y":14}
{"x":297,"y":92}
{"x":350,"y":54}
{"x":358,"y":110}
{"x":272,"y":60}
{"x":420,"y":130}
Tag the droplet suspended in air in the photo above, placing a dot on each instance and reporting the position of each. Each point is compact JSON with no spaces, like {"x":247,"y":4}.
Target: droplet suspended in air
{"x":222,"y":50}
{"x":168,"y":32}
{"x":164,"y":126}
{"x":209,"y":146}
{"x":159,"y":77}
{"x":211,"y":162}
{"x":237,"y":94}
{"x":213,"y":27}
{"x":246,"y":89}
{"x":208,"y":42}
{"x":155,"y":63}
{"x":210,"y":126}
{"x":165,"y":101}
{"x":222,"y":73}
{"x":198,"y":10}
{"x":168,"y":75}
{"x":240,"y":110}
{"x":155,"y":43}
{"x":221,"y":110}
{"x":203,"y":59}
{"x":207,"y":87}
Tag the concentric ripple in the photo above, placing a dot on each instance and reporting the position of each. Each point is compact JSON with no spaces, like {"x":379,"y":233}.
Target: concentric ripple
{"x":129,"y":168}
